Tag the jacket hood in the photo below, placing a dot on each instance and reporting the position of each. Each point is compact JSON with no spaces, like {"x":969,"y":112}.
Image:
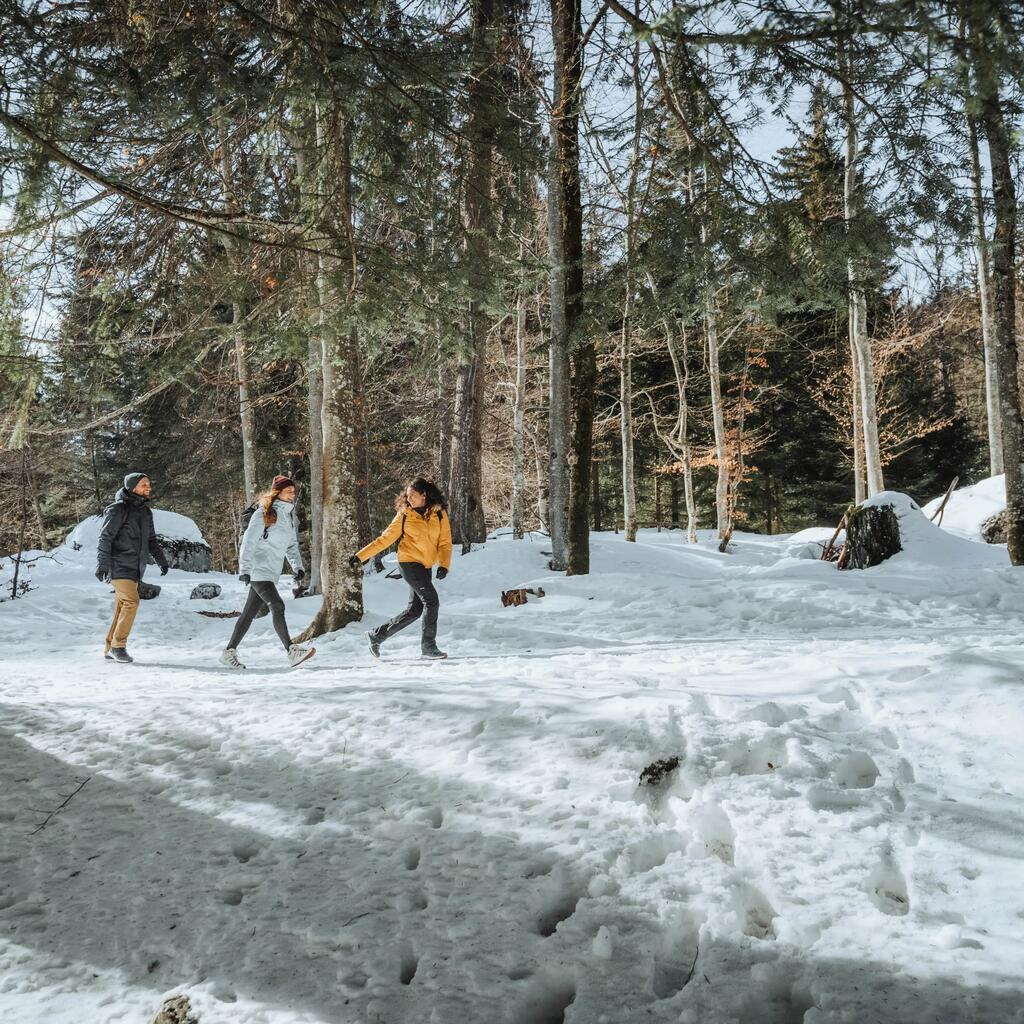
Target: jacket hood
{"x":130,"y":497}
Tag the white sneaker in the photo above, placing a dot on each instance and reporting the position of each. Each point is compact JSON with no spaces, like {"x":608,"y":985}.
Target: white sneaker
{"x":297,"y":655}
{"x":230,"y":658}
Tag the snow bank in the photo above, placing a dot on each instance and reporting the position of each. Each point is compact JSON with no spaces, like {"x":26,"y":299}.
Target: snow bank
{"x":969,"y":507}
{"x":925,"y":544}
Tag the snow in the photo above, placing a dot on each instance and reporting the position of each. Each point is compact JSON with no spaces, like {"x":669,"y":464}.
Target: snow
{"x":393,"y":841}
{"x":969,"y":507}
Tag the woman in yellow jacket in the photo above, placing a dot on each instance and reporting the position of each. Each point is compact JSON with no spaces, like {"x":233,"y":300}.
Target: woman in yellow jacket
{"x":424,"y":537}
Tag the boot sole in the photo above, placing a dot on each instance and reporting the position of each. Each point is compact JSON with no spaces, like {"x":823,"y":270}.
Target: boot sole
{"x":433,"y":657}
{"x":312,"y":651}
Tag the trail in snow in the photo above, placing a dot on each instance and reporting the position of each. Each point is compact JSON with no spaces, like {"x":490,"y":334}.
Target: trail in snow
{"x":398,"y":841}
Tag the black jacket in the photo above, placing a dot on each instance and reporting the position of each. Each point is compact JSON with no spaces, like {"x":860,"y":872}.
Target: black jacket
{"x":127,"y":538}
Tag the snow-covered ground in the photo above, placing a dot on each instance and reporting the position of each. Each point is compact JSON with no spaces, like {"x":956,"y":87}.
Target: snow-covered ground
{"x":467,"y":841}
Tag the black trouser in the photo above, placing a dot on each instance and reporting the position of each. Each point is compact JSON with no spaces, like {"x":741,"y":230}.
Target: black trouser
{"x":261,"y":594}
{"x":423,"y":598}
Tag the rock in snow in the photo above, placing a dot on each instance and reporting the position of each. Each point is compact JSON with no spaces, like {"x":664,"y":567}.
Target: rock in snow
{"x":205,"y":592}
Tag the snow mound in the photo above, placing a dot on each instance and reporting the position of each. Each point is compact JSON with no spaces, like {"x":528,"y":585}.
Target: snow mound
{"x":969,"y":507}
{"x":925,"y":544}
{"x":810,"y":543}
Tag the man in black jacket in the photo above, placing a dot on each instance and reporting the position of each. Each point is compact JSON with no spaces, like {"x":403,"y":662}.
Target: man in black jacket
{"x":127,"y":539}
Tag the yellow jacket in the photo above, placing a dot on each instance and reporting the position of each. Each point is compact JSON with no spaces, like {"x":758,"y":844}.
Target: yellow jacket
{"x":426,"y":539}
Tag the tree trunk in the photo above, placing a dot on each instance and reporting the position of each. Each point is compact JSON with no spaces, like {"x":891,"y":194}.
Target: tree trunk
{"x":563,"y":147}
{"x":595,"y":479}
{"x":995,"y":437}
{"x":341,"y":584}
{"x":626,"y":343}
{"x":858,"y":317}
{"x":859,"y":486}
{"x":718,"y":422}
{"x":518,"y":419}
{"x":315,"y":391}
{"x":245,"y":411}
{"x":568,"y":72}
{"x":468,"y":523}
{"x":1004,"y":241}
{"x":361,"y":455}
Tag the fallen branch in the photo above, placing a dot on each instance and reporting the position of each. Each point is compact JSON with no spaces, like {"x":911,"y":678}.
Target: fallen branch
{"x":46,"y":821}
{"x":942,"y":507}
{"x":828,"y":550}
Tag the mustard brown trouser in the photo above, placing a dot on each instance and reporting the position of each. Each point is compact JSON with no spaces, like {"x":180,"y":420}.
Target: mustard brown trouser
{"x":126,"y":604}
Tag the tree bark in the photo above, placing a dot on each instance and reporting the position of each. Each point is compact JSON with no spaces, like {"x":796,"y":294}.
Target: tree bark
{"x":859,"y":485}
{"x":995,"y":436}
{"x":518,"y":420}
{"x":341,"y":584}
{"x":315,"y":392}
{"x":1004,"y":240}
{"x":568,"y":52}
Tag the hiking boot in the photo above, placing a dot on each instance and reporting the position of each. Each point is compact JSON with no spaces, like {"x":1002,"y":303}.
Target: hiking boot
{"x":374,"y":645}
{"x":297,"y":655}
{"x":433,"y":654}
{"x":230,"y":658}
{"x":121,"y":655}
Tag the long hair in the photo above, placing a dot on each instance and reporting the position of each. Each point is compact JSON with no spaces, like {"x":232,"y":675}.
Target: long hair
{"x":266,"y":502}
{"x":435,"y":499}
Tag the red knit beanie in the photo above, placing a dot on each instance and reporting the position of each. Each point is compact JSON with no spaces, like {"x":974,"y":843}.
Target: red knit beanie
{"x":281,"y":482}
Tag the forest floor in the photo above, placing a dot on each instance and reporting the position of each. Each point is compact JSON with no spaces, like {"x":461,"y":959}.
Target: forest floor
{"x":467,"y":841}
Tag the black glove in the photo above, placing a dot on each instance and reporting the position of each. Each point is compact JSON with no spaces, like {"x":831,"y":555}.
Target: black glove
{"x":163,"y":570}
{"x":244,"y":578}
{"x":103,"y":576}
{"x":300,"y":575}
{"x":442,"y":572}
{"x":355,"y":561}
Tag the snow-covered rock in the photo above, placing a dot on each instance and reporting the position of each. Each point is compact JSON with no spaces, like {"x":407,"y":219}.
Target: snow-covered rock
{"x":970,"y":507}
{"x":180,"y":538}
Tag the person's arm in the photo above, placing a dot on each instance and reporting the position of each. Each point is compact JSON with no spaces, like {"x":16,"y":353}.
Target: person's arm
{"x":248,"y":545}
{"x":294,"y":555}
{"x":154,"y":545}
{"x":113,"y":520}
{"x":444,"y":543}
{"x":385,"y":540}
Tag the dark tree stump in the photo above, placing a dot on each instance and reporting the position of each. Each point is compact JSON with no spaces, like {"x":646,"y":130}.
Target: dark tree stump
{"x":993,"y":530}
{"x":872,"y":536}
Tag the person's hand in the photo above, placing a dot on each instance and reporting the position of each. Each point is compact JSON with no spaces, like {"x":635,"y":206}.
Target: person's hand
{"x":300,"y":575}
{"x":163,"y":569}
{"x":442,"y":572}
{"x":355,"y":561}
{"x":103,"y":576}
{"x":244,"y":578}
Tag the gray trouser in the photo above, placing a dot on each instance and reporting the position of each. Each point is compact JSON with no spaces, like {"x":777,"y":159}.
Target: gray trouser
{"x":423,"y":601}
{"x":261,"y":594}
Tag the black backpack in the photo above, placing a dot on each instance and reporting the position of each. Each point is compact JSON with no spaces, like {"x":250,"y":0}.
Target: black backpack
{"x":246,"y":517}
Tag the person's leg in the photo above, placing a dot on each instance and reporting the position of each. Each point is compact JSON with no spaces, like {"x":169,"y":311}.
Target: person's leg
{"x":413,"y":610}
{"x":127,"y":605}
{"x":423,"y":585}
{"x":253,"y":603}
{"x":272,"y":599}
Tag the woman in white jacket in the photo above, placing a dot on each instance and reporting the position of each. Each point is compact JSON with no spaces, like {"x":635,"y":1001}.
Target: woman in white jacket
{"x":269,"y":538}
